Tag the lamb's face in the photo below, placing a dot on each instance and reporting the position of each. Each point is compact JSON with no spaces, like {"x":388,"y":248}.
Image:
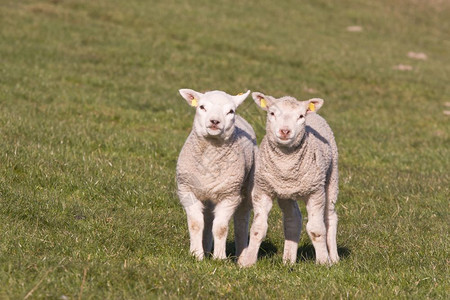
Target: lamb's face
{"x":215,"y":112}
{"x":215,"y":116}
{"x":286,"y":121}
{"x":286,"y":117}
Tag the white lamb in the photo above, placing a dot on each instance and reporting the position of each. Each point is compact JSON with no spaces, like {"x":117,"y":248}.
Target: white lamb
{"x":297,"y":160}
{"x":215,"y":172}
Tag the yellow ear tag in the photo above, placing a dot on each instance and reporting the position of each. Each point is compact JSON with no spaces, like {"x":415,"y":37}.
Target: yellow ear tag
{"x":263,"y":103}
{"x":240,"y":94}
{"x":194,"y":102}
{"x":312,"y":107}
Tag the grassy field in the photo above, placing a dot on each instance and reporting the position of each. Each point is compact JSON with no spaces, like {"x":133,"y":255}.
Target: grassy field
{"x":91,"y":125}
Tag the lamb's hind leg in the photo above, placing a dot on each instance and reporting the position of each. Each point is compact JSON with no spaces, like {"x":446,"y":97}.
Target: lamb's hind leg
{"x":292,"y":222}
{"x":315,"y":227}
{"x":242,"y":216}
{"x":241,"y":219}
{"x":331,"y":218}
{"x":207,"y":231}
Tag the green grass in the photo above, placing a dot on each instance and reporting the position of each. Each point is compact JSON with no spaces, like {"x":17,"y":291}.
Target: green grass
{"x":91,"y":125}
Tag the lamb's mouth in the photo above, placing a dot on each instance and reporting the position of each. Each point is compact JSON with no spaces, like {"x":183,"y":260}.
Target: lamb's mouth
{"x":214,"y":130}
{"x":284,"y":138}
{"x":284,"y":141}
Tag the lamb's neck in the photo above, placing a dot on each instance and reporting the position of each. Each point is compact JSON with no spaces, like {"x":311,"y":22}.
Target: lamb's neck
{"x":280,"y":151}
{"x":287,"y":161}
{"x":201,"y":143}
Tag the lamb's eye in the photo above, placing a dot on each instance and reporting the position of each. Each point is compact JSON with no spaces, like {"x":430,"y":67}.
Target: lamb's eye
{"x":301,"y":117}
{"x":202,"y":107}
{"x":230,"y":112}
{"x":272,"y":113}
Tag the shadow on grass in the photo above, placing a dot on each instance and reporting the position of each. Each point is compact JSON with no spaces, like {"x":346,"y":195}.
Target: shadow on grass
{"x":267,"y":249}
{"x":306,"y":253}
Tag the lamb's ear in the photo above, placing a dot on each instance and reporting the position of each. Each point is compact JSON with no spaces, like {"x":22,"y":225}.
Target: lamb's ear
{"x":313,"y":104}
{"x":238,"y":99}
{"x":262,"y":100}
{"x":191,"y":96}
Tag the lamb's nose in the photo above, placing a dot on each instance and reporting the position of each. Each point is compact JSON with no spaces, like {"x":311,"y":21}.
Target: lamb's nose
{"x":214,"y":122}
{"x":285,"y":132}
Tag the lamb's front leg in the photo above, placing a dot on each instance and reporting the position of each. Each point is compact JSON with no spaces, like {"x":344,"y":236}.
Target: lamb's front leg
{"x":222,"y":214}
{"x":194,"y":212}
{"x":292,"y":223}
{"x":315,"y":227}
{"x":262,"y":204}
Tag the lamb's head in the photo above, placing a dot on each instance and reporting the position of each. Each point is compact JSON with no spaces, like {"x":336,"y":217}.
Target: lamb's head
{"x":215,"y":112}
{"x":286,"y":117}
